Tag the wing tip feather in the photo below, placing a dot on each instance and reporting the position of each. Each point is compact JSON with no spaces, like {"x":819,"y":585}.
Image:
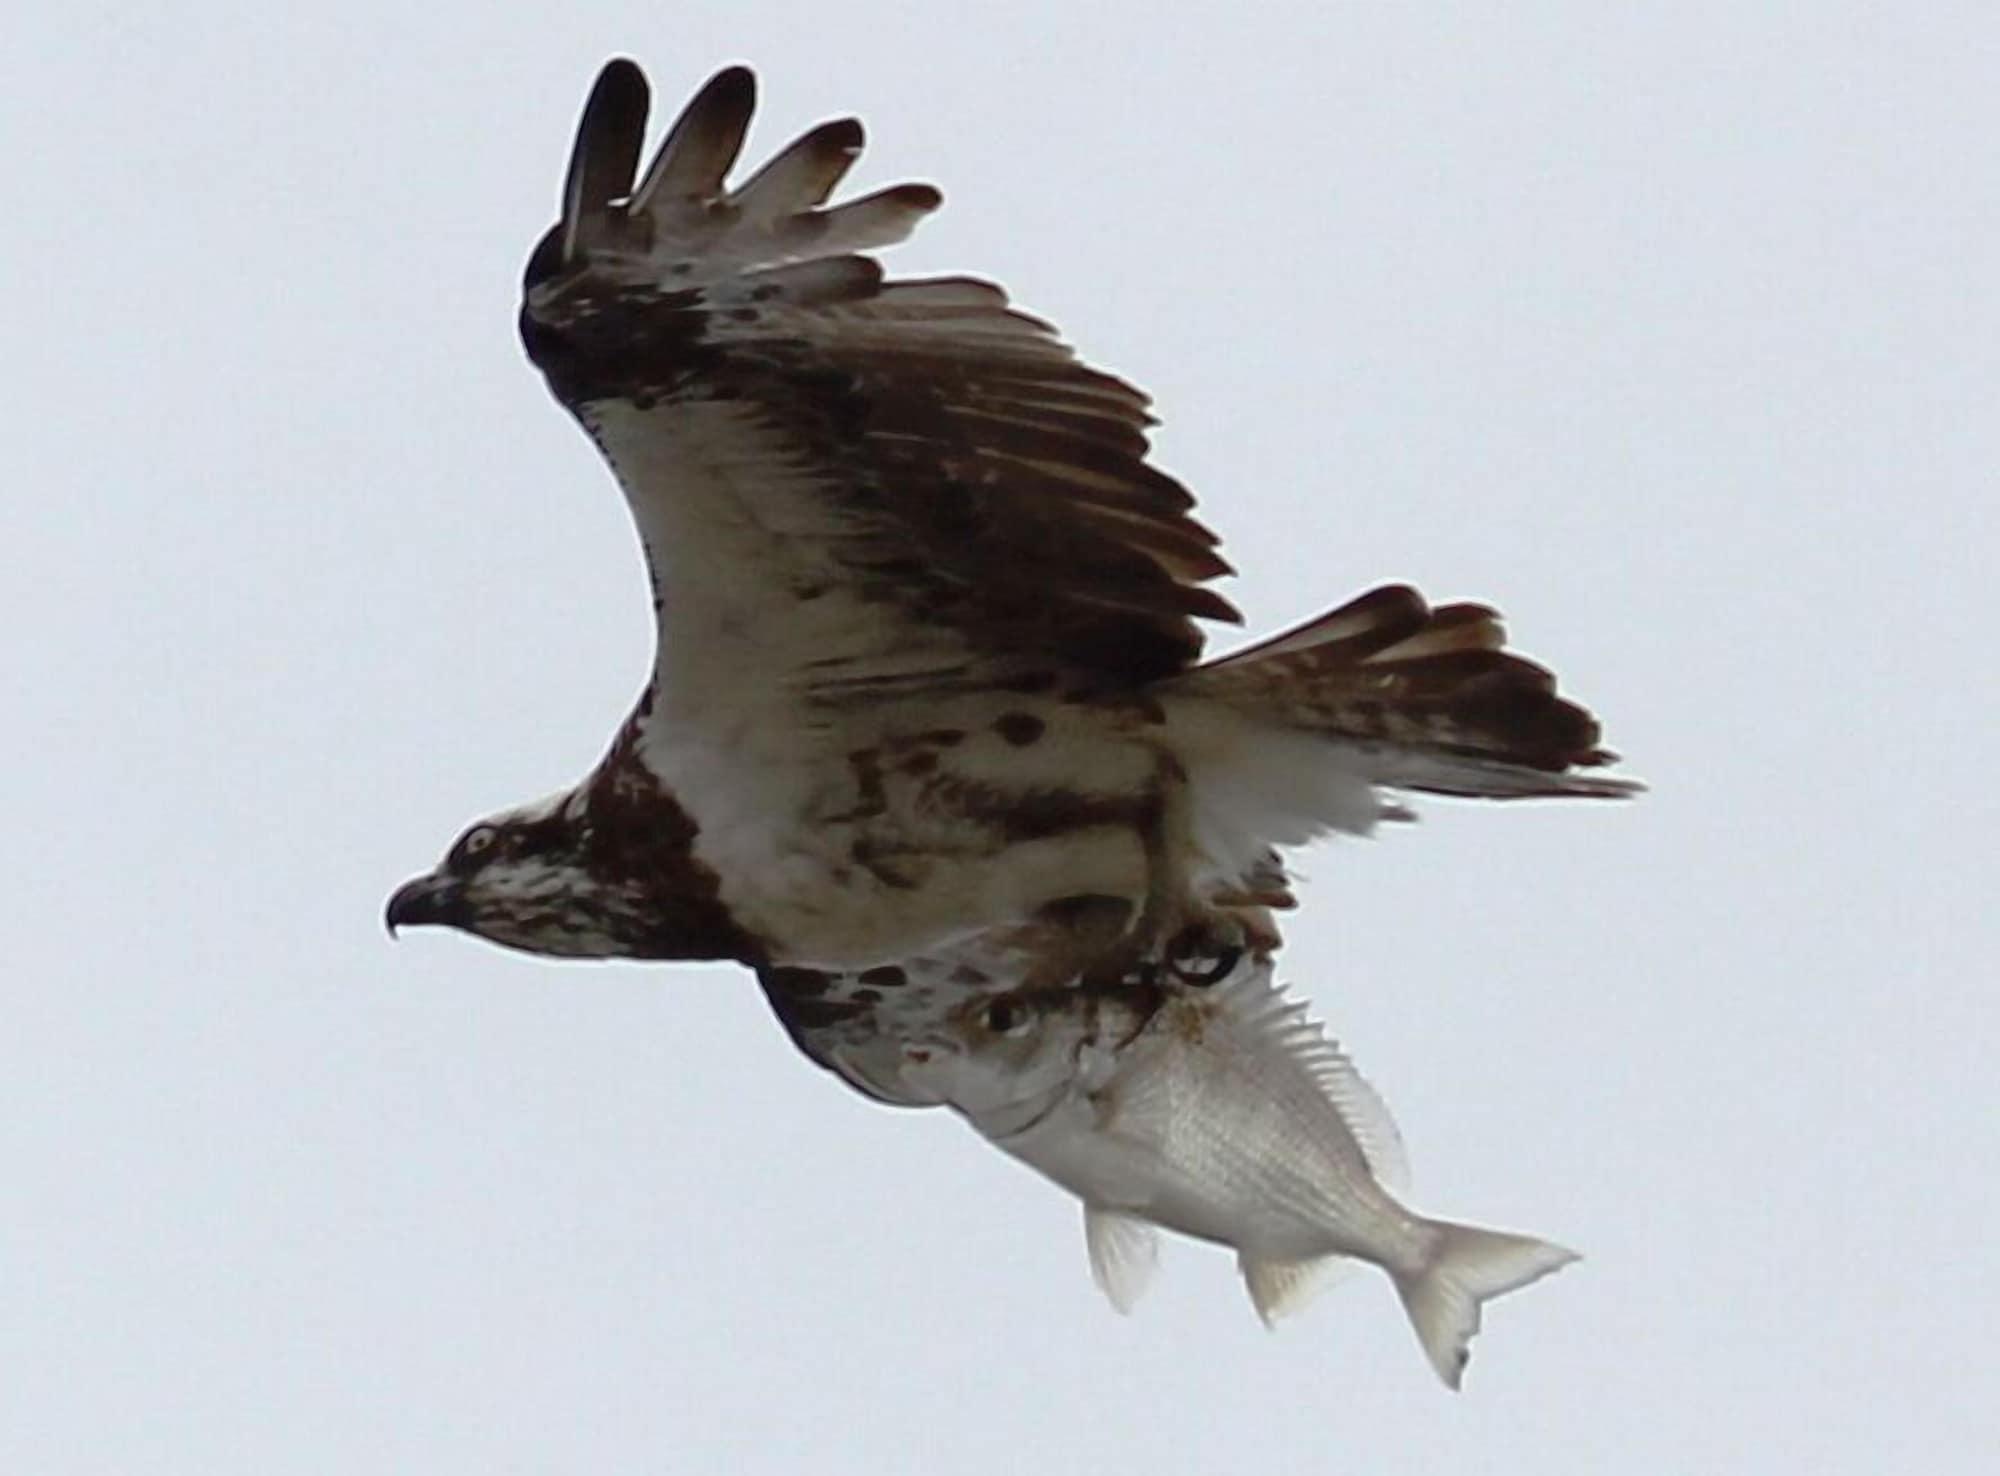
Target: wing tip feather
{"x":730,"y":94}
{"x":605,"y":155}
{"x":702,"y":144}
{"x":620,"y":72}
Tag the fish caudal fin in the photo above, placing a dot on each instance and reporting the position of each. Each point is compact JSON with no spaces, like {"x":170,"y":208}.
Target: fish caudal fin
{"x":1469,"y":1267}
{"x":1124,"y":1254}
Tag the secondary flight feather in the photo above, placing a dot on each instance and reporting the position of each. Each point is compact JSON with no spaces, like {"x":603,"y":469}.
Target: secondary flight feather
{"x":928,"y":716}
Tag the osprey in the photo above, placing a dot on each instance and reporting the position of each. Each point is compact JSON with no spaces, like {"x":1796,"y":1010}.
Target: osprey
{"x":928,"y":713}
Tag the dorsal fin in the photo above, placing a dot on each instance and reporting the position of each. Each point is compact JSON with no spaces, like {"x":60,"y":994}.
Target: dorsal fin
{"x":1267,"y":1019}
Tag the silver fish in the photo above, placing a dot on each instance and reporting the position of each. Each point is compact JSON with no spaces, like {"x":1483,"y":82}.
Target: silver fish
{"x":1226,"y":1114}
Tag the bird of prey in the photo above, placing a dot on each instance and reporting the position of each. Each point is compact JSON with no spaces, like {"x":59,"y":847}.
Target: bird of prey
{"x":928,"y":708}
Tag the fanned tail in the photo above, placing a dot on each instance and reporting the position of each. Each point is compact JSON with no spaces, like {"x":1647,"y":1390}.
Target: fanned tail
{"x":1429,"y":698}
{"x":1470,"y":1267}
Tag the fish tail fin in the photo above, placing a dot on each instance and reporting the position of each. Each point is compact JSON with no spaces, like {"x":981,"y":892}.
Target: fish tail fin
{"x":1469,"y":1267}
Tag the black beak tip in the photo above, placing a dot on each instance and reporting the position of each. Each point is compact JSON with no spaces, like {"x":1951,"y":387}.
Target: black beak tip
{"x":427,"y":900}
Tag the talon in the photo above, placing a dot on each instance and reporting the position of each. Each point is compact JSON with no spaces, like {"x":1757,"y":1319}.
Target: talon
{"x":1218,"y":967}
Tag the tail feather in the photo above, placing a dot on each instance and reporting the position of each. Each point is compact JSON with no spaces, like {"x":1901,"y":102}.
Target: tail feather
{"x":1470,"y":1267}
{"x":1445,"y":705}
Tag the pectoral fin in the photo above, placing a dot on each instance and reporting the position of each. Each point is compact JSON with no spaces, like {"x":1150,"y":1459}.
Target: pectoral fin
{"x":1124,"y":1253}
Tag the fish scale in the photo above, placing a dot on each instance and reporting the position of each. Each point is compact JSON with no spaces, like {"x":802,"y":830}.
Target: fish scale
{"x":1303,"y":1178}
{"x":1222,"y":1113}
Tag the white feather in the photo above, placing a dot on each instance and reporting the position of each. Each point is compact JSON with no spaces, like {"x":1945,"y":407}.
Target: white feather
{"x":1256,"y":785}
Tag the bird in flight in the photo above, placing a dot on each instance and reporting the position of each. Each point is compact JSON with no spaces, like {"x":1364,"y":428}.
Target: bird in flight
{"x":928,"y":713}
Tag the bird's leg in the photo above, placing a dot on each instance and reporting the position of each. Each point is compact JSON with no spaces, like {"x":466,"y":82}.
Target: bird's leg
{"x":1166,"y":834}
{"x":1169,"y":920}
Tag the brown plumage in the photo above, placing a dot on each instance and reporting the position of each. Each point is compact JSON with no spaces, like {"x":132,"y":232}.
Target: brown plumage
{"x":926,"y":720}
{"x":982,"y":480}
{"x":1388,"y":668}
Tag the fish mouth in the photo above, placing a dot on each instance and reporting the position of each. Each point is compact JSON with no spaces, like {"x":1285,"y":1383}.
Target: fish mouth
{"x":1036,"y":1110}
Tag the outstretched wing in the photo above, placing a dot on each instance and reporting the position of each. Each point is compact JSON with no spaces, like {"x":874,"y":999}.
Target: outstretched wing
{"x":843,"y":484}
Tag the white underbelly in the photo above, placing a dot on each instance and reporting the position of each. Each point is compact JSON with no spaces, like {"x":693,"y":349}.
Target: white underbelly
{"x":840,"y":865}
{"x":822,"y":910}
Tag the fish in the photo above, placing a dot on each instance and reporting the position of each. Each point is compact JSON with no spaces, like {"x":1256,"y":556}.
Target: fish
{"x":1227,"y":1114}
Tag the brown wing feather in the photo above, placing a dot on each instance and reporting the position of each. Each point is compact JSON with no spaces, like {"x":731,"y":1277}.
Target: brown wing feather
{"x":976,"y":475}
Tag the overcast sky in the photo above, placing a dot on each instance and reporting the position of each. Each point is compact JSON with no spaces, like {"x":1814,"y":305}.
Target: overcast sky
{"x":1671,"y":329}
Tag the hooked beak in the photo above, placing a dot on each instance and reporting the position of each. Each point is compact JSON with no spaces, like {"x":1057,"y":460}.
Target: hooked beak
{"x":428,"y":900}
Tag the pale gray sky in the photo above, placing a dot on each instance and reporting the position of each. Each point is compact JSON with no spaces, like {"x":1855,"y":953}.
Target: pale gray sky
{"x":1669,"y":328}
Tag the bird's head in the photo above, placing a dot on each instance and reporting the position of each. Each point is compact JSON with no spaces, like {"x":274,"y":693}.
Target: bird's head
{"x":551,"y":878}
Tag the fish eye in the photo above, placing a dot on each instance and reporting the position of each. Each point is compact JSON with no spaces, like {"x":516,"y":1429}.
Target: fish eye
{"x":1004,"y":1017}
